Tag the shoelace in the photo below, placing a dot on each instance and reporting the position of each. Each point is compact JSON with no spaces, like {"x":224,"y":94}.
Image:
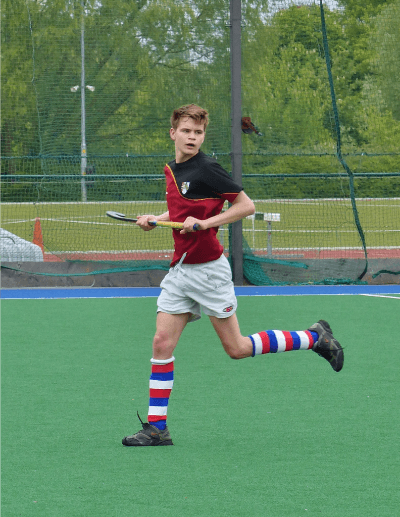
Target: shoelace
{"x":141,"y":421}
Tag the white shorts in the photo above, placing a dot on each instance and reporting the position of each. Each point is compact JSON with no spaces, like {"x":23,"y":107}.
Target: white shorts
{"x":194,"y":288}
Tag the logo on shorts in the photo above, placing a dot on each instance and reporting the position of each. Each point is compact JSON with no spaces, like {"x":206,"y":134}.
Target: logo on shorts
{"x":185,"y":187}
{"x":228,"y":309}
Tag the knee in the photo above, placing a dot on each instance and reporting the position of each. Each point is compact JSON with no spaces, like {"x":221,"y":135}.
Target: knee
{"x":233,"y":350}
{"x":161,"y":342}
{"x":234,"y":355}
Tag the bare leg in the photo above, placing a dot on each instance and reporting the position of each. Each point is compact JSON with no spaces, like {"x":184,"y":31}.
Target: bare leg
{"x":235,"y":345}
{"x":169,"y":328}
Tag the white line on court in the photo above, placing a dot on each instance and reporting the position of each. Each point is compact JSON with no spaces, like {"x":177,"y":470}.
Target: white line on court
{"x":381,"y":296}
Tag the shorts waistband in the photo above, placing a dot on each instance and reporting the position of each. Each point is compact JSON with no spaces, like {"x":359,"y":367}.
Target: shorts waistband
{"x":200,"y":264}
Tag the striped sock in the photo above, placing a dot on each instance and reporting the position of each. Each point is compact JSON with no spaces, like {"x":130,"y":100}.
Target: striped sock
{"x":161,"y":383}
{"x":272,"y":341}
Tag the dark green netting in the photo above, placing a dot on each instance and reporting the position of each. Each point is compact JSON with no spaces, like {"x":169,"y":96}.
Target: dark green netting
{"x":320,"y":90}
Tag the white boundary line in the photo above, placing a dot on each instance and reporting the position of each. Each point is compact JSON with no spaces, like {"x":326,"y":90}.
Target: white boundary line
{"x":268,"y":201}
{"x":382,"y":296}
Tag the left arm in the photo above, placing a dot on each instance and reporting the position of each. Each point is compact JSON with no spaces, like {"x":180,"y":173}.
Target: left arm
{"x":241,"y":207}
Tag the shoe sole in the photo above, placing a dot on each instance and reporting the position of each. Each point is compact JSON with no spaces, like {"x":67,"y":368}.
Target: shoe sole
{"x":147,"y":444}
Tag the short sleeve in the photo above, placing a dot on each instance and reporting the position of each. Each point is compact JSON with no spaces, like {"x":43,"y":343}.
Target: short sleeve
{"x":219,"y":181}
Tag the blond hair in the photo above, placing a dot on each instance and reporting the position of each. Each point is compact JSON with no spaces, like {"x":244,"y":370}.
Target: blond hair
{"x":191,"y":111}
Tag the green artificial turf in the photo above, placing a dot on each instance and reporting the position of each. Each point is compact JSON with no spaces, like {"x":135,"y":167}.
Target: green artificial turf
{"x":279,"y":435}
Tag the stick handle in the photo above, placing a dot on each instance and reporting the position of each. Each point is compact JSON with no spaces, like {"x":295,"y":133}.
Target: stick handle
{"x":171,"y":224}
{"x":168,"y":224}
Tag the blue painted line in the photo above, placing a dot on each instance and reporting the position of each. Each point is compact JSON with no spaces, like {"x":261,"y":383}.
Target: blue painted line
{"x":301,"y":290}
{"x":144,"y":292}
{"x":80,"y":292}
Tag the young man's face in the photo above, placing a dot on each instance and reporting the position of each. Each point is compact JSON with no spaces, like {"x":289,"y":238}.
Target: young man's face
{"x":188,"y":137}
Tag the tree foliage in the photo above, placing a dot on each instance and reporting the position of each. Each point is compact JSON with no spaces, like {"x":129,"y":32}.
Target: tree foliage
{"x":385,"y":39}
{"x":146,"y":57}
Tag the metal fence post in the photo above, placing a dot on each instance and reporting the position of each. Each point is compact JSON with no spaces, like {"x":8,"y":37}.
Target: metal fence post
{"x":236,"y":146}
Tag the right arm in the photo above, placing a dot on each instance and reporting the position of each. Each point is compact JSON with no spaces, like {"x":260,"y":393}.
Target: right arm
{"x":241,"y":207}
{"x":143,"y":220}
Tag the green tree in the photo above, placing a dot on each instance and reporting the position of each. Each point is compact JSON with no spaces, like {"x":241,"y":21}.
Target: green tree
{"x":374,"y":25}
{"x":362,"y":11}
{"x":387,"y":44}
{"x":285,"y":84}
{"x":142,"y":58}
{"x":146,"y":57}
{"x":19,"y":121}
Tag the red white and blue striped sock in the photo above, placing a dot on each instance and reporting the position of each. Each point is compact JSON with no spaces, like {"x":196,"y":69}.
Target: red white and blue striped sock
{"x":272,"y":341}
{"x":161,"y":383}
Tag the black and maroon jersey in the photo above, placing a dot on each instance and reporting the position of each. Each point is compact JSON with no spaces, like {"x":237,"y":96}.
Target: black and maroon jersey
{"x":198,"y":188}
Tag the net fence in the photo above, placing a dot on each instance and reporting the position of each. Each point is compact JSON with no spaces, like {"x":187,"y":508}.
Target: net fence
{"x":87,"y":91}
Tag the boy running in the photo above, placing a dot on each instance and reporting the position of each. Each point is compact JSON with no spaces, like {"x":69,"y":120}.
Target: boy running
{"x":200,"y":277}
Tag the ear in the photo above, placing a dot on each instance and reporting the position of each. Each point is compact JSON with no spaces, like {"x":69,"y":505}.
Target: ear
{"x":172,"y":133}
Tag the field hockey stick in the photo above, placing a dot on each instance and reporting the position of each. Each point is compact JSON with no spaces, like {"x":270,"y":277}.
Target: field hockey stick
{"x":167,"y":224}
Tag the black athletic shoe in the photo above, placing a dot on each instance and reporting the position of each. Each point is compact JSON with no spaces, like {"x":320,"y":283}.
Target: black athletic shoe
{"x":149,"y":436}
{"x":327,"y":346}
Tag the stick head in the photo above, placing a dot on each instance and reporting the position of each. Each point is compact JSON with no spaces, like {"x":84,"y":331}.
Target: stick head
{"x":119,"y":216}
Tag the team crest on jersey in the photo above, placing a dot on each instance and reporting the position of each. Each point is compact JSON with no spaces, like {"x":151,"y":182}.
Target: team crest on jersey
{"x":185,"y":187}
